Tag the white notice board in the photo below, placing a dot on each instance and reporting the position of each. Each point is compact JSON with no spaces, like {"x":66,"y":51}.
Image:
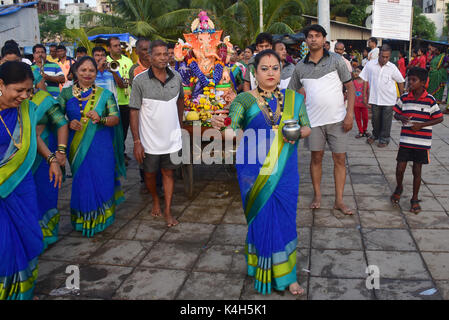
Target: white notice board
{"x":392,"y":19}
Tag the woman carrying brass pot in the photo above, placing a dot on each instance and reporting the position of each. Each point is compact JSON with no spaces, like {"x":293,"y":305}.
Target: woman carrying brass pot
{"x":269,"y":186}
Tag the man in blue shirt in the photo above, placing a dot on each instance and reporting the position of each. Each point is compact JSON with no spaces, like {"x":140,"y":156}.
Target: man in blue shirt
{"x":105,"y":78}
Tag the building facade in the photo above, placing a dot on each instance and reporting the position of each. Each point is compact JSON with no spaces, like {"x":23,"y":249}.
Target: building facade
{"x":42,"y":7}
{"x":435,"y":6}
{"x":104,"y":6}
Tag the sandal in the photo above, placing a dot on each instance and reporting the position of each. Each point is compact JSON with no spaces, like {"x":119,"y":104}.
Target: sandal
{"x":367,"y":134}
{"x":415,"y":207}
{"x":360,"y":135}
{"x":396,"y":196}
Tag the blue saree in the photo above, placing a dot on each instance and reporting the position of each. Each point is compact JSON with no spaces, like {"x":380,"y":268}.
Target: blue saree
{"x":97,"y":162}
{"x":21,"y":239}
{"x":49,"y":114}
{"x":267,"y":172}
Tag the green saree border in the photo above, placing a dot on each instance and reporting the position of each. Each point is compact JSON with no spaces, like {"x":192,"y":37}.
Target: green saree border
{"x":20,"y":160}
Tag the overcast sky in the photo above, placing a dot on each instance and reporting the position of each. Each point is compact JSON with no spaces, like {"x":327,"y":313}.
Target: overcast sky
{"x":92,"y":3}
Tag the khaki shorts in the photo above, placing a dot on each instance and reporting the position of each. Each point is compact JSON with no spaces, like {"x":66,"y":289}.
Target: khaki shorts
{"x":333,"y":134}
{"x":154,"y":162}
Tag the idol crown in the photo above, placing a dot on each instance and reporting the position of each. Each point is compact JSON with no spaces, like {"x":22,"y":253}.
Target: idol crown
{"x":203,"y":24}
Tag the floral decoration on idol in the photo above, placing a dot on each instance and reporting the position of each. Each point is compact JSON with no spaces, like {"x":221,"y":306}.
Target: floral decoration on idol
{"x":202,"y":63}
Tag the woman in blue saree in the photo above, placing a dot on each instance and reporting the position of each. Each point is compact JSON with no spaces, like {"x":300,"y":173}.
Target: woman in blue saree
{"x":269,"y":183}
{"x":21,"y":239}
{"x":53,"y":129}
{"x":95,"y":151}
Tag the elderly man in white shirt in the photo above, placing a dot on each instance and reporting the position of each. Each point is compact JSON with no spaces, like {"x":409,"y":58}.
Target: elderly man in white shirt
{"x":382,"y":76}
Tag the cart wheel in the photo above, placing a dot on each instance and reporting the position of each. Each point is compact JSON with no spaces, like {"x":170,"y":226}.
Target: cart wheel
{"x":187,"y":177}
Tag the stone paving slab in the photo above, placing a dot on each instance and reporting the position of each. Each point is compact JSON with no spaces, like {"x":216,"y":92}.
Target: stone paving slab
{"x":428,"y":220}
{"x":73,"y":249}
{"x":443,"y":288}
{"x":438,"y":264}
{"x":405,"y":290}
{"x":432,"y":240}
{"x":338,"y":263}
{"x":100,"y":281}
{"x":334,"y":218}
{"x":51,"y":276}
{"x":212,"y":286}
{"x":336,"y":238}
{"x":304,"y":217}
{"x":339,"y":289}
{"x":189,"y":232}
{"x":151,"y":284}
{"x":230,"y":234}
{"x":382,"y":219}
{"x":219,"y":258}
{"x":172,"y":256}
{"x":398,"y":265}
{"x":388,"y":240}
{"x":203,"y":214}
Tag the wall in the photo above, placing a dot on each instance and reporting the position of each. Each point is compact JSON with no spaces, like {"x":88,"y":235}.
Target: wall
{"x":22,"y":26}
{"x":438,"y":19}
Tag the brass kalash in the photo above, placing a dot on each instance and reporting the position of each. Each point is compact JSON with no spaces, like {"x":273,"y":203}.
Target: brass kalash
{"x":114,"y":66}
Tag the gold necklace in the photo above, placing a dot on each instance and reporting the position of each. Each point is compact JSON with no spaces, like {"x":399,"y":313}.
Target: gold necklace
{"x":18,"y":145}
{"x":264,"y":106}
{"x":77,"y":92}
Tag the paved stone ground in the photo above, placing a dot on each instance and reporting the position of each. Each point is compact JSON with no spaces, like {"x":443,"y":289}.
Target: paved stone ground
{"x":202,"y":258}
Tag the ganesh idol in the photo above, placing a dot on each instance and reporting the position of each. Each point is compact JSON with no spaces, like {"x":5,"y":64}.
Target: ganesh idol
{"x":209,"y":86}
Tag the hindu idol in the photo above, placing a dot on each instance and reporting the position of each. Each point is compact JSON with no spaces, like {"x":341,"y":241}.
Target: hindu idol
{"x":201,"y":62}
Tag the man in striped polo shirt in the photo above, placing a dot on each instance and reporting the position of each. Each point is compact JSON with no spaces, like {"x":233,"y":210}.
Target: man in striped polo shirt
{"x":52,"y":73}
{"x":418,"y":111}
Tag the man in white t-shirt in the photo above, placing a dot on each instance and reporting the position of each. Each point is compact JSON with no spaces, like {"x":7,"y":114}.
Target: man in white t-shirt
{"x":321,"y":76}
{"x":382,"y":76}
{"x":374,"y":53}
{"x":156,"y":109}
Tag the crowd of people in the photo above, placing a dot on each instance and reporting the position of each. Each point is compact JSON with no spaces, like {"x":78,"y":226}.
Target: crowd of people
{"x":56,"y":109}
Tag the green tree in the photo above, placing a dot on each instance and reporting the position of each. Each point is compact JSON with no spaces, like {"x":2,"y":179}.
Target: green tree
{"x":238,"y":18}
{"x":355,"y":10}
{"x":241,"y":19}
{"x":141,"y":18}
{"x":51,"y":24}
{"x":80,"y":37}
{"x":423,"y":28}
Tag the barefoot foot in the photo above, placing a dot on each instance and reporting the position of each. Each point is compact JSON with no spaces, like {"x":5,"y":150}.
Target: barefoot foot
{"x":171,"y":222}
{"x":344,"y":209}
{"x":156,"y":211}
{"x":295,"y":289}
{"x":316,"y":203}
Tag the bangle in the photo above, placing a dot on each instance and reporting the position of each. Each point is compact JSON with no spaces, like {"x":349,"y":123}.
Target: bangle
{"x":104,"y":120}
{"x":137,"y":141}
{"x":50,"y":158}
{"x":62,"y":148}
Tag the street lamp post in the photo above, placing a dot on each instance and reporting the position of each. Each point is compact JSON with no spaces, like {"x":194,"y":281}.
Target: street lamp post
{"x":261,"y":15}
{"x":324,"y":16}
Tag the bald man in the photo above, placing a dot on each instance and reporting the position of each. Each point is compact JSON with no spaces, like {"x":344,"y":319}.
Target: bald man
{"x":340,"y":49}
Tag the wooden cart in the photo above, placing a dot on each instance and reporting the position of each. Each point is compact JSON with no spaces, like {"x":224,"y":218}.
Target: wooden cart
{"x":195,"y":150}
